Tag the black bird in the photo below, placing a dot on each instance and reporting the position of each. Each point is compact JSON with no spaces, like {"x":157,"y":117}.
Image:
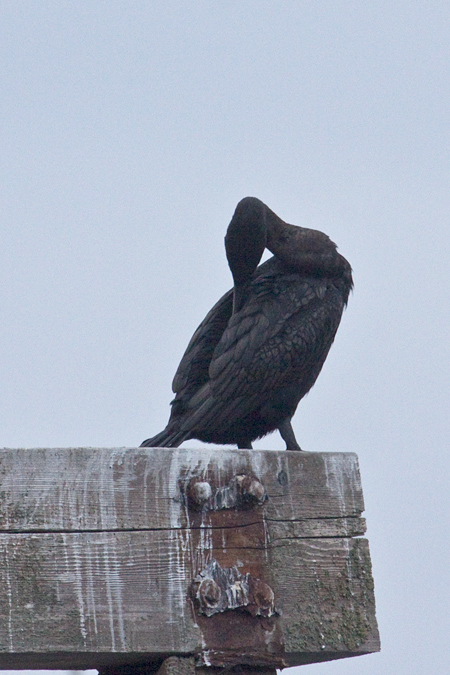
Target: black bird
{"x":261,"y":347}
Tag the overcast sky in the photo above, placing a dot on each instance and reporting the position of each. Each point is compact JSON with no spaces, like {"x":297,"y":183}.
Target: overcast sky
{"x":130,"y":129}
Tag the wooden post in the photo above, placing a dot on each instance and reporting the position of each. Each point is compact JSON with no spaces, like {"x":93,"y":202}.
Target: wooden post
{"x":118,"y":559}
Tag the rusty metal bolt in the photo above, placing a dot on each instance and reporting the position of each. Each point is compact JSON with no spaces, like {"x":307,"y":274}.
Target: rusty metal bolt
{"x":256,"y":491}
{"x":199,"y":492}
{"x":209,"y":593}
{"x":251,"y":489}
{"x":264,"y":596}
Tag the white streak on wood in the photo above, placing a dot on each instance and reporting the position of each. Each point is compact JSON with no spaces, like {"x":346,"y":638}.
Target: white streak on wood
{"x":259,"y":464}
{"x":90,"y":590}
{"x":10,"y":599}
{"x":179,"y":562}
{"x":77,"y":581}
{"x":205,"y":654}
{"x":113,"y":592}
{"x":108,"y":518}
{"x":107,"y":508}
{"x":206,"y":544}
{"x":146,"y":497}
{"x":341,"y":474}
{"x":117,"y":590}
{"x":109,"y":595}
{"x":283,"y":465}
{"x":224,"y":543}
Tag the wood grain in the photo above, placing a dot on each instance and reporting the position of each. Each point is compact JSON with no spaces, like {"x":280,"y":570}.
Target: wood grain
{"x":75,"y":489}
{"x":100,"y":550}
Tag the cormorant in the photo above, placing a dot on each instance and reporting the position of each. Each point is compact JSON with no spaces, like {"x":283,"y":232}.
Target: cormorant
{"x":261,"y":347}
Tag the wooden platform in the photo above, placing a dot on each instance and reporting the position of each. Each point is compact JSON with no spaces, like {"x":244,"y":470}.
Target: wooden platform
{"x":128,"y":556}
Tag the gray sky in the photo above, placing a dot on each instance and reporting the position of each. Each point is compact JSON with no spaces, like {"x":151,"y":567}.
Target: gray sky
{"x":130,"y":130}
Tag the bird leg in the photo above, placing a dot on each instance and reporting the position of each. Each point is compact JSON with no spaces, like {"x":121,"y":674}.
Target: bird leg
{"x":244,"y":445}
{"x":288,"y":436}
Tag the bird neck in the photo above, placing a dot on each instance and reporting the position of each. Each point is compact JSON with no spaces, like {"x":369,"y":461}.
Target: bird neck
{"x":308,"y":251}
{"x":240,"y":294}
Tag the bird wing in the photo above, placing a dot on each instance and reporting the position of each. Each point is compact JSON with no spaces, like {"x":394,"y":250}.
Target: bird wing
{"x":279,"y":340}
{"x":278,"y":336}
{"x":193,"y":370}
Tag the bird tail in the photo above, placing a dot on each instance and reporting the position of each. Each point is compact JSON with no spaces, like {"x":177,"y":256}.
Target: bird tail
{"x":168,"y":438}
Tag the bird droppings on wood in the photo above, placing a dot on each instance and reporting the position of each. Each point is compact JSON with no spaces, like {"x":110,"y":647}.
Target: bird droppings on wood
{"x":99,"y":550}
{"x":217,"y":589}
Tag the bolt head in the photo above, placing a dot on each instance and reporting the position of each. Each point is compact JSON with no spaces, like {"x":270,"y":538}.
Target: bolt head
{"x":199,"y":492}
{"x":209,"y":593}
{"x":264,"y":596}
{"x":251,"y":489}
{"x":257,"y":491}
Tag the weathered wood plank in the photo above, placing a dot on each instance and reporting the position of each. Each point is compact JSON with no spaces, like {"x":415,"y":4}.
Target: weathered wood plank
{"x":112,"y":489}
{"x":112,"y":557}
{"x":93,"y":594}
{"x":332,"y":608}
{"x":316,"y":527}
